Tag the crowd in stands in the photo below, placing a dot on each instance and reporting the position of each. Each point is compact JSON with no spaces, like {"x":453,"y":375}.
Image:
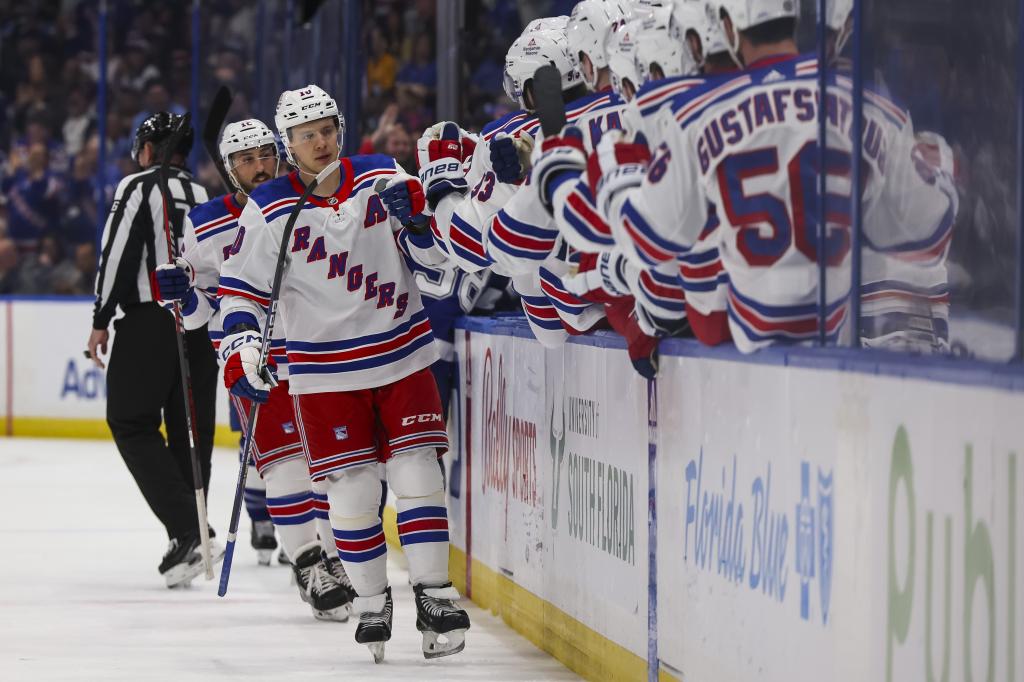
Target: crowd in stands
{"x":49,"y":145}
{"x":50,"y":179}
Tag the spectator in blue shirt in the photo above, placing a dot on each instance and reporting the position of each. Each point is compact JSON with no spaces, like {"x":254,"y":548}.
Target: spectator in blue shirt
{"x":33,"y":196}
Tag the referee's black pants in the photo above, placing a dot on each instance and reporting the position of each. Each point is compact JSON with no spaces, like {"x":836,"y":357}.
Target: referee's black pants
{"x":143,"y":389}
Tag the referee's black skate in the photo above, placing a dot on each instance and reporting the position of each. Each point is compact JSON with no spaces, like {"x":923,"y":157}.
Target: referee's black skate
{"x":317,"y":587}
{"x":183,"y":560}
{"x":441,"y":621}
{"x":374,"y":629}
{"x":263,"y":541}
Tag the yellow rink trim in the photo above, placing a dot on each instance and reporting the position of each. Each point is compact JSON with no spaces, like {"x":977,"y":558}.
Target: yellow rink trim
{"x":55,"y":427}
{"x":582,"y":650}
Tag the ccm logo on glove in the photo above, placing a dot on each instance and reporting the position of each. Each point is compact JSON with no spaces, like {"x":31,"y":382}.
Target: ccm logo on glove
{"x":227,"y":350}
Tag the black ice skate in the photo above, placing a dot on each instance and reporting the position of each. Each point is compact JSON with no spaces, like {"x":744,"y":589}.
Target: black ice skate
{"x":374,"y":628}
{"x":183,"y":560}
{"x":338,"y":574}
{"x":263,"y":541}
{"x":317,"y":587}
{"x":282,"y":558}
{"x":442,"y":623}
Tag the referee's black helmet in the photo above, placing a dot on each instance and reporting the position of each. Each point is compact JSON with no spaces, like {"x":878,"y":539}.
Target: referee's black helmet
{"x":157,"y":129}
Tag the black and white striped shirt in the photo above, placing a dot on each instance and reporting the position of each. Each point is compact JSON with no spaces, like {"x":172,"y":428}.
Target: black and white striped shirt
{"x":134,"y":243}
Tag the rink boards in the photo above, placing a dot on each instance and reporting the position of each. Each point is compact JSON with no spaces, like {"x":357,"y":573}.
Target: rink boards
{"x":47,"y":387}
{"x":817,"y":516}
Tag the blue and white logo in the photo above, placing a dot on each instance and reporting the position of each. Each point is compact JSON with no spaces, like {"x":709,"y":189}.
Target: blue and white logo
{"x":288,"y":427}
{"x":825,"y":543}
{"x":814,"y":541}
{"x":340,"y":433}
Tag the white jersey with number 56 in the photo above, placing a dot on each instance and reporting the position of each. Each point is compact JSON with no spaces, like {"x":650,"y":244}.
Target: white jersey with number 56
{"x":746,"y":144}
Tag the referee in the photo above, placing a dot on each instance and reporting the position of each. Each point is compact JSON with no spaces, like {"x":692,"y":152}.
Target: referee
{"x":144,"y":379}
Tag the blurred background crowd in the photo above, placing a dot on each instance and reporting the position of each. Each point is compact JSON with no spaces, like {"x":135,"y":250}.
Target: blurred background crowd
{"x":952,"y":65}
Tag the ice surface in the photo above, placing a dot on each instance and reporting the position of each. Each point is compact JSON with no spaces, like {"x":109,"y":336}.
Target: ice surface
{"x":81,"y":599}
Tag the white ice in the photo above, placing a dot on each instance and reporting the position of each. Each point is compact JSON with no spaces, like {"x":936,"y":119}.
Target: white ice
{"x":81,"y":599}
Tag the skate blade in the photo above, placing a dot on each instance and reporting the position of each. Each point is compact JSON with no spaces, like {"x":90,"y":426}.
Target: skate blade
{"x":182,"y":576}
{"x":338,"y":615}
{"x":436,"y":645}
{"x":263,"y":556}
{"x":377,"y":649}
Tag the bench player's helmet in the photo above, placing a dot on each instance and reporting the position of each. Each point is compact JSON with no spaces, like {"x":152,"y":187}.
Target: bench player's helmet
{"x":746,"y":14}
{"x":622,"y":64}
{"x":310,"y":103}
{"x":837,"y":18}
{"x":251,"y":133}
{"x":529,"y":52}
{"x":548,"y":24}
{"x":589,"y":25}
{"x":708,"y":26}
{"x":661,"y":41}
{"x":158,"y":129}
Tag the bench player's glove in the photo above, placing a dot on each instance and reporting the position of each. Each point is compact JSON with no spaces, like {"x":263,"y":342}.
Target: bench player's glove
{"x":240,"y":352}
{"x":642,"y":349}
{"x":440,"y":162}
{"x":601,"y":278}
{"x":561,"y":158}
{"x":616,"y":165}
{"x":510,"y":156}
{"x":406,"y":201}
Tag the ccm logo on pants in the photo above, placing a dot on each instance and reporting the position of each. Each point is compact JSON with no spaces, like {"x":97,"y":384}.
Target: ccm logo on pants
{"x":421,"y":419}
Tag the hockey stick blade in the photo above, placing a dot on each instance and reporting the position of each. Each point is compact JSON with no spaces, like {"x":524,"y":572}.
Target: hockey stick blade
{"x":268,"y":332}
{"x":547,"y":95}
{"x":219,"y":109}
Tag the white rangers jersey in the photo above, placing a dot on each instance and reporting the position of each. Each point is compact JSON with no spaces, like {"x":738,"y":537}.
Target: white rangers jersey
{"x":747,"y":144}
{"x":459,"y":221}
{"x":348,"y":301}
{"x":210,"y":233}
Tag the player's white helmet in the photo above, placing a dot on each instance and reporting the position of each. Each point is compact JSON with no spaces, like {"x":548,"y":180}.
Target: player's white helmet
{"x":622,"y":64}
{"x":310,"y":103}
{"x":746,"y":14}
{"x":251,"y":133}
{"x":661,"y":41}
{"x":547,"y":24}
{"x":705,"y":22}
{"x":531,"y":51}
{"x":589,"y":25}
{"x":837,"y":12}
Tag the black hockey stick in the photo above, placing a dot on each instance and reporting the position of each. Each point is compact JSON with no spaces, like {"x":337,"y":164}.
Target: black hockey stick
{"x":309,"y":10}
{"x":179,"y":335}
{"x":547,"y":98}
{"x":219,"y":109}
{"x":254,"y":407}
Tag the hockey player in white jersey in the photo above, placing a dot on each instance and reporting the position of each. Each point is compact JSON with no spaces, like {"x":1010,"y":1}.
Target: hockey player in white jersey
{"x":212,"y":233}
{"x":522,"y":239}
{"x":748,"y":145}
{"x":904,"y":291}
{"x":359,"y":350}
{"x":673,"y":45}
{"x":464,"y":208}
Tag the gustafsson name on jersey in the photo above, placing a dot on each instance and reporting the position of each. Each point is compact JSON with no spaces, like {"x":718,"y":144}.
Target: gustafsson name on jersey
{"x":784,"y":107}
